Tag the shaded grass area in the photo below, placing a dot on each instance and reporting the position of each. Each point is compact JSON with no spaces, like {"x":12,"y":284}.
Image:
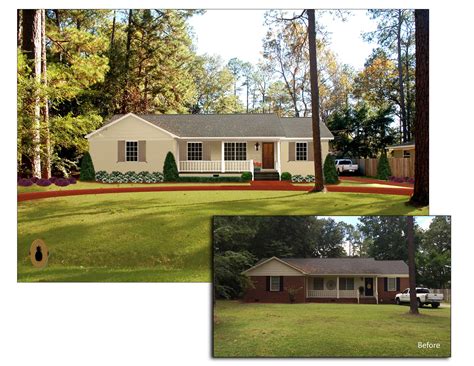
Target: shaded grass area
{"x":160,"y":236}
{"x":96,"y":185}
{"x":328,"y":330}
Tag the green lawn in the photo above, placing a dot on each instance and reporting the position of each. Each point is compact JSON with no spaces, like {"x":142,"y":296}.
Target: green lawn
{"x":160,"y":236}
{"x":328,"y":330}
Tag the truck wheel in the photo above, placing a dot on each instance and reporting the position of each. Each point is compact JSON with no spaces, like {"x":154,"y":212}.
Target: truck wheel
{"x":398,"y":301}
{"x":435,"y":305}
{"x":420,"y":304}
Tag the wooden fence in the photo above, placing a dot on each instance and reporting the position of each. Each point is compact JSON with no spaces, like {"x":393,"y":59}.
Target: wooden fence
{"x":445,"y":291}
{"x":400,"y":167}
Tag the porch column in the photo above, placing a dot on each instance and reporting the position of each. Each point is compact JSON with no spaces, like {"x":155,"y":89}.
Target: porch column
{"x":376,"y":292}
{"x":178,"y":158}
{"x":278,"y":158}
{"x":222,"y":158}
{"x":337,"y":287}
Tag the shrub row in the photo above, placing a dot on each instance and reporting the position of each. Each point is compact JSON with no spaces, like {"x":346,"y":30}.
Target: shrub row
{"x":211,"y":179}
{"x":401,"y":179}
{"x":128,"y":177}
{"x":300,"y":179}
{"x":61,"y":182}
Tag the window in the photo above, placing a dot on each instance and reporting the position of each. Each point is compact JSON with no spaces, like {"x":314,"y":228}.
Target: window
{"x":346,"y":283}
{"x":301,"y":151}
{"x":194,"y":150}
{"x":391,"y":284}
{"x":274,"y":283}
{"x":318,"y":283}
{"x":131,"y":151}
{"x":235,"y":151}
{"x":406,"y":154}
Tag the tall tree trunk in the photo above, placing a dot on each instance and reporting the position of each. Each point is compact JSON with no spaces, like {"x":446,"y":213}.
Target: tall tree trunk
{"x":407,"y":83}
{"x":313,"y":76}
{"x":400,"y":75}
{"x":19,"y":27}
{"x":411,"y":266}
{"x":112,"y":36}
{"x":32,"y":48}
{"x":45,"y":138}
{"x":247,"y":82}
{"x":421,"y":190}
{"x":125,"y":95}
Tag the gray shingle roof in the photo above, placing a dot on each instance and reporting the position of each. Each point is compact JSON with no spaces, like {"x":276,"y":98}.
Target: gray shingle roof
{"x":348,"y":265}
{"x":231,"y":125}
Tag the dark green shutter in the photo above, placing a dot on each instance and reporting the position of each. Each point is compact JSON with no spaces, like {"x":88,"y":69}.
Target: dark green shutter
{"x":281,"y":283}
{"x":385,"y":283}
{"x":398,"y":283}
{"x":268,"y":283}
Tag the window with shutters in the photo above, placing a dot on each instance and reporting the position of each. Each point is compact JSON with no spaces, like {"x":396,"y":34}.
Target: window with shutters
{"x":301,"y":151}
{"x":346,"y":283}
{"x":131,"y":151}
{"x":194,"y":150}
{"x":391,"y":284}
{"x":274,"y":283}
{"x":235,"y":151}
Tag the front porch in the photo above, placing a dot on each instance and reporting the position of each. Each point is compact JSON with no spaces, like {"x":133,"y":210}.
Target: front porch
{"x":360,"y":289}
{"x":229,"y":157}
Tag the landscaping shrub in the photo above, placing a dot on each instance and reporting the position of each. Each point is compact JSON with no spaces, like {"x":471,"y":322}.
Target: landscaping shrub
{"x":170,"y":170}
{"x":246,"y":176}
{"x":72,"y":180}
{"x":62,"y":182}
{"x":285,"y":176}
{"x":329,"y":170}
{"x":25,"y":182}
{"x":43,"y":182}
{"x":383,"y":168}
{"x":87,"y":168}
{"x":309,"y":179}
{"x":34,"y":179}
{"x":128,"y":177}
{"x":297,"y":178}
{"x":52,"y":179}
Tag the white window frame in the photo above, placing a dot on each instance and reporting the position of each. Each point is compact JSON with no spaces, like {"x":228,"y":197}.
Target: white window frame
{"x":271,"y":283}
{"x":235,"y":149}
{"x":296,"y":150}
{"x":394,"y":287}
{"x":138,"y":152}
{"x":187,"y":150}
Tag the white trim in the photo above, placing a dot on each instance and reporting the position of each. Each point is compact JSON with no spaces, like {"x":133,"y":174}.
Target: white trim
{"x":257,"y":138}
{"x":138,"y":152}
{"x":187,"y":150}
{"x":235,"y":142}
{"x":268,"y":260}
{"x":304,"y":138}
{"x":279,"y":283}
{"x":123,"y":117}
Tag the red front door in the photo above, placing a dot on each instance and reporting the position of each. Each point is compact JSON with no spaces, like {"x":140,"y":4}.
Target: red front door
{"x":268,"y":159}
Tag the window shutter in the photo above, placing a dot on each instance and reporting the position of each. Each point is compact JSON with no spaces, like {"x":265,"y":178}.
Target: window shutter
{"x":206,"y":151}
{"x":183,"y":150}
{"x":385,"y":283}
{"x":291,"y":151}
{"x":120,"y":151}
{"x":281,"y":283}
{"x":268,"y":283}
{"x":310,"y":151}
{"x":398,"y":283}
{"x":142,"y":151}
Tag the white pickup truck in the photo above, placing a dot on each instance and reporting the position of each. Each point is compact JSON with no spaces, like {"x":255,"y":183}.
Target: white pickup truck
{"x":423,"y":295}
{"x":346,"y":166}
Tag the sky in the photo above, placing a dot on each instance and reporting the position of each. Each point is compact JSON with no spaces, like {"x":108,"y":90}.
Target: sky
{"x":220,"y":32}
{"x":422,"y":221}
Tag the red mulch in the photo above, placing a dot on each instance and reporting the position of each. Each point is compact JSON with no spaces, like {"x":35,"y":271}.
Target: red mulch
{"x":254,"y":186}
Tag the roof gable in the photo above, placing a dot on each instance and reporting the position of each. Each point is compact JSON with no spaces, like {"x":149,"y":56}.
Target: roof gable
{"x":273,"y":267}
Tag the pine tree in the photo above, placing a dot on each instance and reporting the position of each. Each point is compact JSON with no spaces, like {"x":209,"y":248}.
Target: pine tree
{"x":170,"y":170}
{"x":383,"y":168}
{"x":87,"y":168}
{"x":330,"y":172}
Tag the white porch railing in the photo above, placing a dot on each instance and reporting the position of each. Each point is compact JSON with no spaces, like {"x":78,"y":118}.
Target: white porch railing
{"x":202,"y":166}
{"x":346,"y":294}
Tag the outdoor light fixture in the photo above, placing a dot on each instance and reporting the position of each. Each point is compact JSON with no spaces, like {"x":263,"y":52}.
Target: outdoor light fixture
{"x":257,"y":145}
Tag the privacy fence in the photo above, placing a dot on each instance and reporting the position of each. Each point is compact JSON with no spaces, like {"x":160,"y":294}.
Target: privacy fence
{"x":400,"y":167}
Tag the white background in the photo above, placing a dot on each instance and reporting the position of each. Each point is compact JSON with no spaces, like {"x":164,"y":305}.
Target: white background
{"x":170,"y":324}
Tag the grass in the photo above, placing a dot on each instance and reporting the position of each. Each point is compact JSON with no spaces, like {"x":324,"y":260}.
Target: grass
{"x":160,"y":236}
{"x":328,"y":330}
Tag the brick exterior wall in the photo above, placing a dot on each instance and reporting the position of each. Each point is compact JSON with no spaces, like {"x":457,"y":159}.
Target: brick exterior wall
{"x":388,"y":297}
{"x":260,"y":293}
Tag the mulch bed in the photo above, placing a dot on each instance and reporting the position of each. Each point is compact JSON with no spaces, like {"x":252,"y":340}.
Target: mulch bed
{"x":254,"y":186}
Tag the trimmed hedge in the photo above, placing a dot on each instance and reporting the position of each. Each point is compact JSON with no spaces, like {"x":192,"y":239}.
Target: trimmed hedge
{"x":170,"y":169}
{"x":329,"y":170}
{"x":210,"y":179}
{"x":246,"y":176}
{"x":285,"y":176}
{"x":383,"y":168}
{"x":87,"y":168}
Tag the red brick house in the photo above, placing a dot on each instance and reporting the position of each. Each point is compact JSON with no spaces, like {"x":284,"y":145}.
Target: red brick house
{"x":356,"y":280}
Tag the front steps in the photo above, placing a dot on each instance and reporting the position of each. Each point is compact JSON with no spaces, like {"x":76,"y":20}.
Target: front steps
{"x":266,"y":176}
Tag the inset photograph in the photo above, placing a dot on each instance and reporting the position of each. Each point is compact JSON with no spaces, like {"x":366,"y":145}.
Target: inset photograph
{"x":340,"y":286}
